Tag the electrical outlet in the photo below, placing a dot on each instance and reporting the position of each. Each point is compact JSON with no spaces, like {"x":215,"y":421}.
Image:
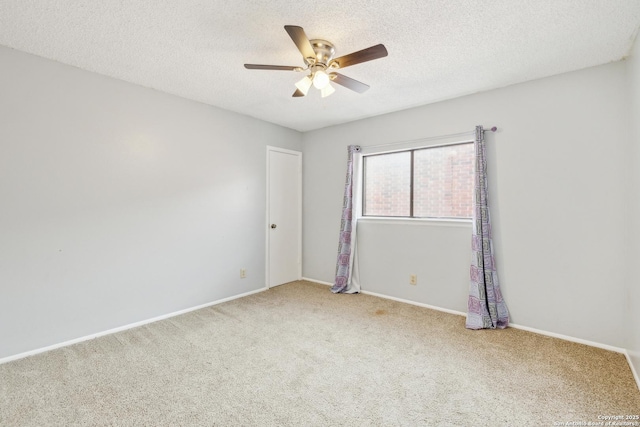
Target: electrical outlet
{"x":243,"y":273}
{"x":413,"y":279}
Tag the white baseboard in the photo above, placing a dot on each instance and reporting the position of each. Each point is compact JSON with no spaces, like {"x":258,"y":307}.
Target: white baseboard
{"x":633,"y":369}
{"x":419,"y":304}
{"x":569,"y":338}
{"x":317,"y":281}
{"x":512,"y":325}
{"x":405,"y":301}
{"x":123,"y":328}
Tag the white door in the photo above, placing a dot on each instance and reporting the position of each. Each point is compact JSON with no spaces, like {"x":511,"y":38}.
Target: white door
{"x":284,"y":211}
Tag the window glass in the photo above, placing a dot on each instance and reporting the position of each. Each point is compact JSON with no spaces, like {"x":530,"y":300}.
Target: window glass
{"x":441,"y":185}
{"x":387,"y":184}
{"x":443,"y":182}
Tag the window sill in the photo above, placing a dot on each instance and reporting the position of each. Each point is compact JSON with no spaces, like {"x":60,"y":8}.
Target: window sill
{"x":439,"y":222}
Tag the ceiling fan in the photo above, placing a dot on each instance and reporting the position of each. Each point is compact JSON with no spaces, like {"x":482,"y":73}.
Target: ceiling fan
{"x":319,"y":61}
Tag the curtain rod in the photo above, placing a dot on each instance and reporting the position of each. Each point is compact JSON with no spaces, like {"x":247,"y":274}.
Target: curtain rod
{"x":471,"y":132}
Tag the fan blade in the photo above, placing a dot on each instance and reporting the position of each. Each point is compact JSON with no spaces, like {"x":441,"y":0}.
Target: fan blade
{"x":297,"y":93}
{"x":349,"y":83}
{"x":364,"y":55}
{"x":271,"y":67}
{"x":301,"y":40}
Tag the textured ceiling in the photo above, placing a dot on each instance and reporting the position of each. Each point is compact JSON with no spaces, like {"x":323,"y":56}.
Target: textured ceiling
{"x":438,"y":49}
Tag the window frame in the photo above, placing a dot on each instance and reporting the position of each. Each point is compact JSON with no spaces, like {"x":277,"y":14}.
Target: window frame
{"x":411,"y":185}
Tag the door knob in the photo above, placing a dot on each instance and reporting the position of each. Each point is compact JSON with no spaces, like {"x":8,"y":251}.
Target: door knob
{"x":273,"y":226}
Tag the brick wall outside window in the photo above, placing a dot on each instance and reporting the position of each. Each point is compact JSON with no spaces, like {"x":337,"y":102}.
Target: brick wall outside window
{"x":387,"y":184}
{"x":443,"y":183}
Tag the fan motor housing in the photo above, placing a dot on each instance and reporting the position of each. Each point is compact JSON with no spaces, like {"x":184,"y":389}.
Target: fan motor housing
{"x":324,"y":52}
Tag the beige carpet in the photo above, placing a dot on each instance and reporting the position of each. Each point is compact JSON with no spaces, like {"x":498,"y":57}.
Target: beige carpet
{"x":297,"y":355}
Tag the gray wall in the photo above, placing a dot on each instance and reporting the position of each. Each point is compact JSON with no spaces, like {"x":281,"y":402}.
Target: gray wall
{"x":120,"y":203}
{"x":633,"y":281}
{"x":558,"y":177}
{"x":444,"y":263}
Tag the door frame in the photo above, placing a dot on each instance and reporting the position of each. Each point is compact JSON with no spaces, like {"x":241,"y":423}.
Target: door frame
{"x":298,"y":154}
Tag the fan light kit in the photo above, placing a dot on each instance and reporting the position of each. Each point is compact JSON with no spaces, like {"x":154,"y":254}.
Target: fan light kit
{"x":318,"y":58}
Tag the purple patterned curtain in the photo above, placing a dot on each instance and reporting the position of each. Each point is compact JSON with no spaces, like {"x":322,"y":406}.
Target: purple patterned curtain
{"x":486,"y":308}
{"x":345,"y":246}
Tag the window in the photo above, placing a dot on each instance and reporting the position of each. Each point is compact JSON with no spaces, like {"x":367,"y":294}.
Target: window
{"x":432,"y":182}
